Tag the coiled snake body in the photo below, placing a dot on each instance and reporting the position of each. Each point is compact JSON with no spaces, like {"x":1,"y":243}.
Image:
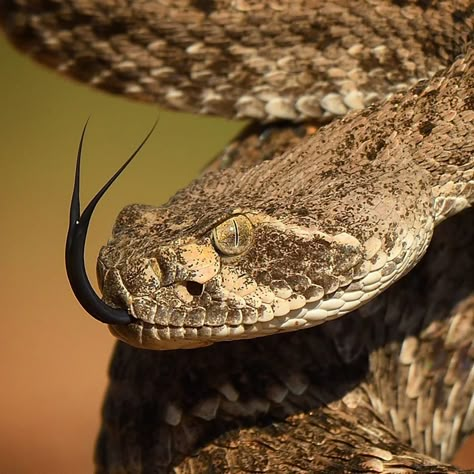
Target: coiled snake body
{"x":292,"y":242}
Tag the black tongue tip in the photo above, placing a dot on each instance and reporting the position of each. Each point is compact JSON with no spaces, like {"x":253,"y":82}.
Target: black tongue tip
{"x":75,"y":246}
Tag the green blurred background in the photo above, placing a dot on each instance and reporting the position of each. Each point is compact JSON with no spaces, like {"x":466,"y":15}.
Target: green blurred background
{"x":53,"y":357}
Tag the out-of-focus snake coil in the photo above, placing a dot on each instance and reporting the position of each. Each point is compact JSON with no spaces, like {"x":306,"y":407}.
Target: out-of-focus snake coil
{"x":288,"y":229}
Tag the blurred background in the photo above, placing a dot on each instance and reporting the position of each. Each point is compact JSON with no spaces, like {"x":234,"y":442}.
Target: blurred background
{"x":54,"y":357}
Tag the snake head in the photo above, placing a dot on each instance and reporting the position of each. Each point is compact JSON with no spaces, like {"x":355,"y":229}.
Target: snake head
{"x":205,"y":268}
{"x":233,"y":256}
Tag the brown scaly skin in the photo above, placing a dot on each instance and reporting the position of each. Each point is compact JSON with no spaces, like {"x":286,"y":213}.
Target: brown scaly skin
{"x":369,"y":392}
{"x":284,"y":59}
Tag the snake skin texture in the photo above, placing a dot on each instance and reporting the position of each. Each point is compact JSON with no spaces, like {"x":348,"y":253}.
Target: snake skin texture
{"x":325,"y":221}
{"x":383,"y":389}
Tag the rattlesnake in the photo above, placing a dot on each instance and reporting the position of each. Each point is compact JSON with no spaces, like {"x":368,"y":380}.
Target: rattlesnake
{"x":291,"y":242}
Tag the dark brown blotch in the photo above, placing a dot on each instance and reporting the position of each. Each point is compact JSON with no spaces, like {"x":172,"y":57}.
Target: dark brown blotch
{"x":373,"y":151}
{"x":460,"y":16}
{"x":425,"y":128}
{"x":469,"y":103}
{"x":206,"y":6}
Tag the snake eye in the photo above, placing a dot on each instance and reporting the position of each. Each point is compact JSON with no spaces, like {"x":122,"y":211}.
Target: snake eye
{"x":233,"y":236}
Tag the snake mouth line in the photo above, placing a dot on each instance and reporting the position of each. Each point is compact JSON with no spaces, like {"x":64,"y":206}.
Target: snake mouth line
{"x":146,"y":335}
{"x":210,"y":330}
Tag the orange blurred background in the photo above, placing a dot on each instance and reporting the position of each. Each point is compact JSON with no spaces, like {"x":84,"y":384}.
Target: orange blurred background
{"x":53,"y":357}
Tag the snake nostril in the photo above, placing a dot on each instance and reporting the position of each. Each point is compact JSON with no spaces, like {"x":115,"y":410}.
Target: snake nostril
{"x":194,"y":288}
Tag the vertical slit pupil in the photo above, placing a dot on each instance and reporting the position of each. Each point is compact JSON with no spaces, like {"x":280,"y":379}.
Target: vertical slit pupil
{"x":236,"y":233}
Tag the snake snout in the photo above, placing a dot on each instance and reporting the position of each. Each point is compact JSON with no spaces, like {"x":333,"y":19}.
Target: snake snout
{"x":155,"y":288}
